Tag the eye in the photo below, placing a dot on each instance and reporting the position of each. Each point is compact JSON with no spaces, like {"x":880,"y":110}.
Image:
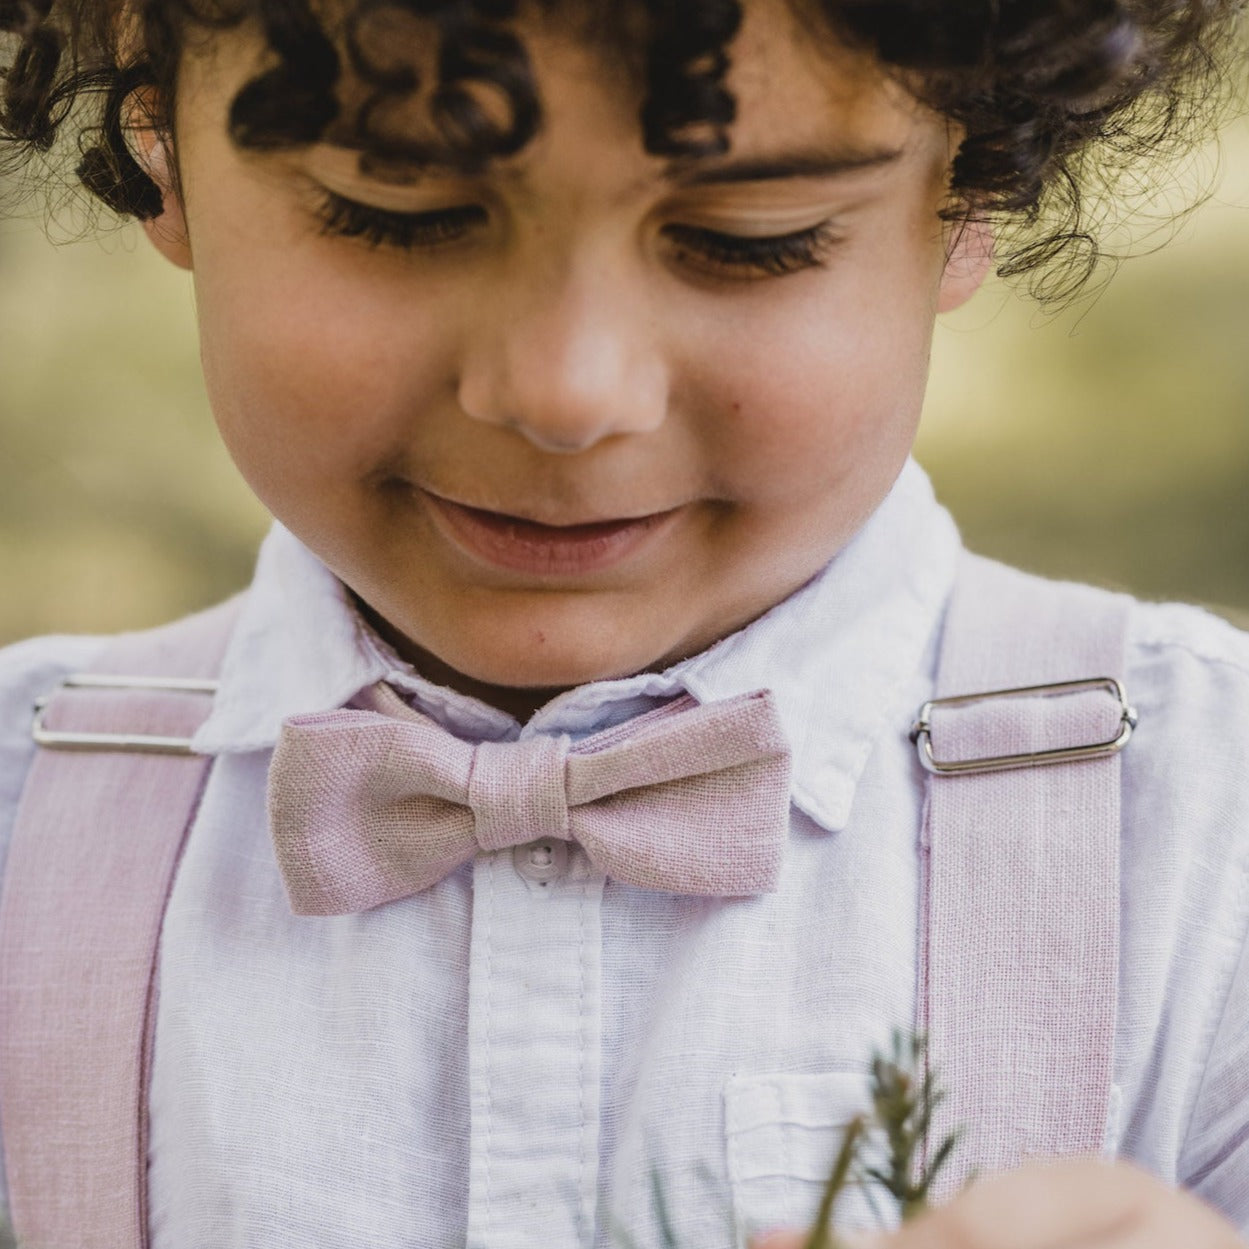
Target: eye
{"x":381,"y":227}
{"x":745,"y":256}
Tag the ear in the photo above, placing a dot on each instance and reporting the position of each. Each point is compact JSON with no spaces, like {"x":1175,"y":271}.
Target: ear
{"x":968,"y":262}
{"x":168,"y":232}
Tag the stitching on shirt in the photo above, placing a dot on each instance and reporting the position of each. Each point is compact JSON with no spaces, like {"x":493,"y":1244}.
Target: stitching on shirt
{"x":581,"y":1153}
{"x":732,"y":1151}
{"x":490,"y":866}
{"x":787,"y":1164}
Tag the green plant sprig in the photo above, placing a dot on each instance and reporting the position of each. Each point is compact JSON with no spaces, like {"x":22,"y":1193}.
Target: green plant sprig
{"x":904,"y":1095}
{"x":905,"y":1092}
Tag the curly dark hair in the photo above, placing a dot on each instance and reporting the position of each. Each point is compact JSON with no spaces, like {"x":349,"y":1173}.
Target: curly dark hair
{"x":1056,"y":98}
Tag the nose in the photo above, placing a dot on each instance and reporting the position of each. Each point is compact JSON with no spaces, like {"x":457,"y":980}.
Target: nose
{"x":566,"y":360}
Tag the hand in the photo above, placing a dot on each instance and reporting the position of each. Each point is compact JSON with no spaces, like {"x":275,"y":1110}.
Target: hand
{"x":1073,"y":1203}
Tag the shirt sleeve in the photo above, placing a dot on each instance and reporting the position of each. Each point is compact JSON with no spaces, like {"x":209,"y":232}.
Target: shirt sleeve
{"x":1206,"y":750}
{"x":1214,"y":1160}
{"x":1185,"y":1022}
{"x":27,"y":671}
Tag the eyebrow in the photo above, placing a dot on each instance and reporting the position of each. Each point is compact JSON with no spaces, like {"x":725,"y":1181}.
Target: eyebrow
{"x":805,"y":163}
{"x":684,"y":171}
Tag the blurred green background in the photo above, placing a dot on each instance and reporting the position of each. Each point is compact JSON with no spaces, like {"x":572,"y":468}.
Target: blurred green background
{"x":1109,"y":443}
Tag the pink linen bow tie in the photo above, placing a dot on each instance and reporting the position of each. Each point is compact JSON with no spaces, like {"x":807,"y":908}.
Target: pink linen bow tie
{"x":371,"y":804}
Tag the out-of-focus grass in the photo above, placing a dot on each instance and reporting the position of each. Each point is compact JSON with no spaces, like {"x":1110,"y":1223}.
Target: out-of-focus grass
{"x":118,"y":506}
{"x":1110,"y":443}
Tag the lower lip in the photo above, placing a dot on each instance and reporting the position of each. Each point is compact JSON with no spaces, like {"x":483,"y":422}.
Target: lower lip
{"x":545,"y":549}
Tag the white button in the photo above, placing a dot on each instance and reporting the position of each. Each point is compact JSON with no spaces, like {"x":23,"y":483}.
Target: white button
{"x":542,"y":861}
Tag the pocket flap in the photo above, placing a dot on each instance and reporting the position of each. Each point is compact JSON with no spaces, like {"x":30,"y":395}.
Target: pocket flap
{"x":783,"y":1133}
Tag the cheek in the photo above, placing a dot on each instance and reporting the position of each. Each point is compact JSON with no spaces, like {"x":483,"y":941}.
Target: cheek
{"x":827,"y":396}
{"x":314,"y":379}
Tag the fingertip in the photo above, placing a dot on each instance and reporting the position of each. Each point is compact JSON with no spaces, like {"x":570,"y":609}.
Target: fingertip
{"x":781,"y":1239}
{"x":778,"y":1238}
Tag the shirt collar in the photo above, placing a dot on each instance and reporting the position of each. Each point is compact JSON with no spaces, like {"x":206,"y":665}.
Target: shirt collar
{"x":839,"y":655}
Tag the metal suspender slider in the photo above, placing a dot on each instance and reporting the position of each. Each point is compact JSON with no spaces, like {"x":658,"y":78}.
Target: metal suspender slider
{"x":53,"y":739}
{"x":921,"y":731}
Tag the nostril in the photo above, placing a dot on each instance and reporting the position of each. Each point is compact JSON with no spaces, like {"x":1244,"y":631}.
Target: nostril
{"x":554,"y":442}
{"x":566,"y":388}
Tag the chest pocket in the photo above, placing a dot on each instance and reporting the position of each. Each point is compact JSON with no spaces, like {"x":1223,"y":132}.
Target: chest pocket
{"x":783,"y":1134}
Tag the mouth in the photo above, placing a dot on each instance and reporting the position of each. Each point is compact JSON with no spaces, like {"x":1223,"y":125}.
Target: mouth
{"x":524,"y":545}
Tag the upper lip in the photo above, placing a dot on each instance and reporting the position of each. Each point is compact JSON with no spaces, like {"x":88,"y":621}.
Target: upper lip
{"x":562,"y":523}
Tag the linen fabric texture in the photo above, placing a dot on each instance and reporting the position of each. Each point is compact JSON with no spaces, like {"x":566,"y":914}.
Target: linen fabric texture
{"x":388,"y":1077}
{"x":79,"y":931}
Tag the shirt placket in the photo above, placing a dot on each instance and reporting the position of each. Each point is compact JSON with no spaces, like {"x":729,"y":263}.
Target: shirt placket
{"x":534,"y":1039}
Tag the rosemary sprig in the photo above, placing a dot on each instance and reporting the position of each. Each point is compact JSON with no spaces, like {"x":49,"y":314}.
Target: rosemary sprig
{"x":904,"y":1095}
{"x":906,"y":1118}
{"x":905,"y":1092}
{"x":822,"y":1236}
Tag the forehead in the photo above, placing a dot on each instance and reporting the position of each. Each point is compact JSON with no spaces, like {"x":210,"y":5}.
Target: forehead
{"x":790,"y":75}
{"x":790,"y":82}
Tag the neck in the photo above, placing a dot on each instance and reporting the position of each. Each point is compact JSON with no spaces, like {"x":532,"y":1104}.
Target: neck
{"x":520,"y":702}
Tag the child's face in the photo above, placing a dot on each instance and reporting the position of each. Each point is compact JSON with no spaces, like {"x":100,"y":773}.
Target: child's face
{"x":576,"y":352}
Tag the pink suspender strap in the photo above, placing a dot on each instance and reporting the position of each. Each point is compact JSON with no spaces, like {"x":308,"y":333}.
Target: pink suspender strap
{"x":1020,"y":858}
{"x":99,"y":831}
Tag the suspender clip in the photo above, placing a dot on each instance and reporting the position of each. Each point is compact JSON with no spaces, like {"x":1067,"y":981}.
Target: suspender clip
{"x":921,"y":731}
{"x":54,"y":739}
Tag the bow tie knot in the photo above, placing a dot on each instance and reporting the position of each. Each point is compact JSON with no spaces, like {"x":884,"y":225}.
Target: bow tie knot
{"x":517,"y":792}
{"x":377,"y":801}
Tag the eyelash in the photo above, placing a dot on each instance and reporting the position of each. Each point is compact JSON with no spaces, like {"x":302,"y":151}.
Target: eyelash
{"x":772,"y":256}
{"x":378,"y":227}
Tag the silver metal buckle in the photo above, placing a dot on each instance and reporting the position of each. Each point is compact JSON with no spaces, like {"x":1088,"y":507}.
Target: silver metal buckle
{"x":53,"y":739}
{"x":921,"y":731}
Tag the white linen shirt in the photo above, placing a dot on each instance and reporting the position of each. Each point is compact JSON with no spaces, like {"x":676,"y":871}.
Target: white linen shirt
{"x":503,"y":1063}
